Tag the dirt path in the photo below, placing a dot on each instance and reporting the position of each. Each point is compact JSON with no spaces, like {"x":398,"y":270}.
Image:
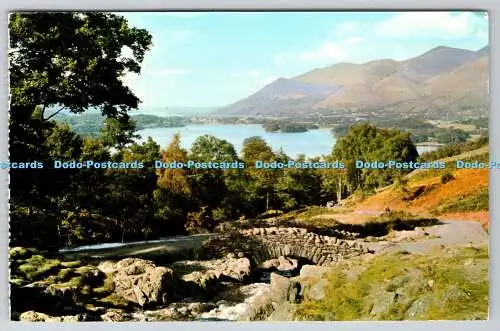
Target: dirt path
{"x":449,"y":233}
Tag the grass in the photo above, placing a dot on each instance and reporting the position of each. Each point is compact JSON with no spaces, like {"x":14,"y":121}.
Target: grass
{"x":375,"y":226}
{"x":476,"y":201}
{"x":450,"y":284}
{"x":312,"y":211}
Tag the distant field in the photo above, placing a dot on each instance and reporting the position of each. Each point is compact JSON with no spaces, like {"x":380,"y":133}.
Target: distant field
{"x":465,"y":127}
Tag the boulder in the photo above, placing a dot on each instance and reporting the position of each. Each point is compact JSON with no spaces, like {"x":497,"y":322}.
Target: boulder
{"x":207,"y":282}
{"x":142,"y":282}
{"x":317,"y":290}
{"x":312,"y":271}
{"x":33,"y":316}
{"x":283,"y":289}
{"x":107,"y":267}
{"x":283,"y":264}
{"x":383,"y":303}
{"x":115,"y":315}
{"x":238,"y":269}
{"x":419,"y":307}
{"x":287,"y":264}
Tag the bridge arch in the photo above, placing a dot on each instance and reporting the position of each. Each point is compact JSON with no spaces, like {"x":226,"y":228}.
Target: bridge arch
{"x":262,"y":244}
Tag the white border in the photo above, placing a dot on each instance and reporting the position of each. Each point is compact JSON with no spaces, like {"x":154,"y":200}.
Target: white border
{"x":493,"y":6}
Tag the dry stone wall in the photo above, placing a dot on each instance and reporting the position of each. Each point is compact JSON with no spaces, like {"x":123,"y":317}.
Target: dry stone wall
{"x":262,"y":244}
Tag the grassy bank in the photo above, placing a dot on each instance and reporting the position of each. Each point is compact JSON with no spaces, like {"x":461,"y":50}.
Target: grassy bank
{"x":447,"y":284}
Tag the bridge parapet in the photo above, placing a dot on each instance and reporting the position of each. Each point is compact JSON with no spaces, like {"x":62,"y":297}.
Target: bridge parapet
{"x":261,"y":244}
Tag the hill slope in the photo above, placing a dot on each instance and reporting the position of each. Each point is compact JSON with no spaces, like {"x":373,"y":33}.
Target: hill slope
{"x":284,"y":94}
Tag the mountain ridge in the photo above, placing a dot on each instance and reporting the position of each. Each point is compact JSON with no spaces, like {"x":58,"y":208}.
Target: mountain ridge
{"x":421,"y":84}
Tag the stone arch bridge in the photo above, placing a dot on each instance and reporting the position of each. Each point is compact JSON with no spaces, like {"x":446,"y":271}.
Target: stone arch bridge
{"x":261,"y":244}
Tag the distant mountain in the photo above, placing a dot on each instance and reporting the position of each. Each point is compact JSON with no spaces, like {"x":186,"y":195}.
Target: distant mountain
{"x":174,"y":110}
{"x":485,"y":51}
{"x":441,"y":80}
{"x":284,"y":94}
{"x":436,"y":61}
{"x":149,"y":110}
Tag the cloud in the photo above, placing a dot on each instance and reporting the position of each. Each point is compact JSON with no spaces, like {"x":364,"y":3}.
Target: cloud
{"x":171,"y":72}
{"x":483,"y":35}
{"x":235,"y":74}
{"x":254,"y":74}
{"x":354,"y":40}
{"x":345,"y":29}
{"x":327,"y":51}
{"x":181,"y":35}
{"x":280,"y":58}
{"x":411,"y":24}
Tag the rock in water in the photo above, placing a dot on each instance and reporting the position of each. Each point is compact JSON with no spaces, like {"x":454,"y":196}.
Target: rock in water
{"x":142,"y":282}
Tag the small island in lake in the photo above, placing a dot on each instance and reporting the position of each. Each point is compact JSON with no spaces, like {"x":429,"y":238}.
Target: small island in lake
{"x":288,"y":127}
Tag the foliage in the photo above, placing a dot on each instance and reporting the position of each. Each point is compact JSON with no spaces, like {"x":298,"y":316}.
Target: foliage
{"x":364,"y":142}
{"x":452,"y":136}
{"x":91,"y":123}
{"x":454,"y":149}
{"x":72,"y":61}
{"x":447,"y":177}
{"x":199,"y":221}
{"x":118,"y":132}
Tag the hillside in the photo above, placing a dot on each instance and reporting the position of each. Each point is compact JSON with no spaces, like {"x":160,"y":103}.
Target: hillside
{"x":91,"y":123}
{"x":286,"y":94}
{"x":435,"y":84}
{"x":465,"y":197}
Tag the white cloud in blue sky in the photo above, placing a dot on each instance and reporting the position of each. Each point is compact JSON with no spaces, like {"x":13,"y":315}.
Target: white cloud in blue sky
{"x":213,"y":59}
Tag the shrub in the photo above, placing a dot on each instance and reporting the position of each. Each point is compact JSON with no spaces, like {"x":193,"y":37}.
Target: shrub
{"x":447,"y":177}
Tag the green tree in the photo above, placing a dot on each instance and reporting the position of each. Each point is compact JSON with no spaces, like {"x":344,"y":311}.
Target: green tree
{"x":364,"y":142}
{"x":61,"y":60}
{"x":74,"y":60}
{"x":260,"y":187}
{"x":118,"y":132}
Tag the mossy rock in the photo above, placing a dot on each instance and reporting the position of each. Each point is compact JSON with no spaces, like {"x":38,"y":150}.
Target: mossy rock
{"x":115,"y":300}
{"x":18,"y":281}
{"x":91,"y":275}
{"x":71,"y":264}
{"x":37,"y":267}
{"x":107,"y":287}
{"x":65,"y":274}
{"x":21,"y":253}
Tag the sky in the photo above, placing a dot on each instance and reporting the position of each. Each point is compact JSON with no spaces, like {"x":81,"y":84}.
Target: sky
{"x":210,"y":59}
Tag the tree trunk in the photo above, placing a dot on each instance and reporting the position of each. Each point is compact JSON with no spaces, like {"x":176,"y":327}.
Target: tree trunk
{"x":339,"y":190}
{"x":267,"y":201}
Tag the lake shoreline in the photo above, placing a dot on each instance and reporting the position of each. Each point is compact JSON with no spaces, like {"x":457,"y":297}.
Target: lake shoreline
{"x":312,"y":143}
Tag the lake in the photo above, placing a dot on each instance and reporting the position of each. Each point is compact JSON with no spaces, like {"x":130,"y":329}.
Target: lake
{"x":311,"y":143}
